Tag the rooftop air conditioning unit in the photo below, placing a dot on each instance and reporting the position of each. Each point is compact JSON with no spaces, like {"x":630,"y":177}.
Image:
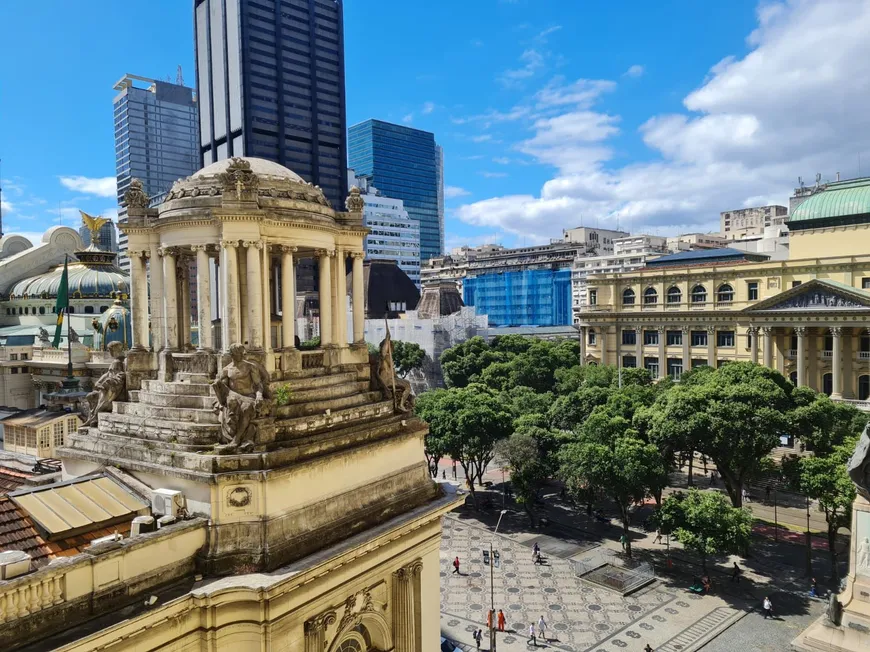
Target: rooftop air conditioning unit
{"x":141,"y":525}
{"x":13,"y":563}
{"x":166,"y":502}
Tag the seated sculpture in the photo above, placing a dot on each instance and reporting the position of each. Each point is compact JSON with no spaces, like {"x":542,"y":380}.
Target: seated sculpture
{"x":242,"y":391}
{"x":391,"y":385}
{"x":111,"y":386}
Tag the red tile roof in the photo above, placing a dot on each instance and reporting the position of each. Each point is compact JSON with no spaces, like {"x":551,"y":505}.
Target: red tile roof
{"x":10,"y":480}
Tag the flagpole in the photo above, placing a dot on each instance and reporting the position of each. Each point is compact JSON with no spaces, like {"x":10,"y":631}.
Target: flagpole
{"x":69,"y":371}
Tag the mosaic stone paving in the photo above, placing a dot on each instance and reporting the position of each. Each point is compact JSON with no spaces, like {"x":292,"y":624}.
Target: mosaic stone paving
{"x":580,"y":616}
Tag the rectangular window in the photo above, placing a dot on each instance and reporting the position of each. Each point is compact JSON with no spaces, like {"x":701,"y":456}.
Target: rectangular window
{"x":752,"y":287}
{"x":865,"y":343}
{"x":698,"y":363}
{"x":725,"y":338}
{"x":13,"y":356}
{"x":629,"y":336}
{"x":24,"y":356}
{"x":650,"y":337}
{"x":865,"y":283}
{"x":629,"y":361}
{"x":794,"y":284}
{"x":593,"y":297}
{"x":14,"y":370}
{"x":675,"y":368}
{"x":699,"y":338}
{"x":675,"y":338}
{"x":58,"y":433}
{"x":592,"y":338}
{"x":652,"y":366}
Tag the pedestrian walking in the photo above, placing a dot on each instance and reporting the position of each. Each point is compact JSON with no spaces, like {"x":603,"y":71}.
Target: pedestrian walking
{"x":814,"y":589}
{"x":538,"y":559}
{"x":477,"y":636}
{"x":456,"y":567}
{"x":767,"y":492}
{"x":623,"y":540}
{"x":745,"y":495}
{"x":658,"y":538}
{"x":767,"y":607}
{"x":501,"y":620}
{"x":532,"y":637}
{"x":454,"y":470}
{"x":536,"y":548}
{"x":648,"y":648}
{"x":443,"y":474}
{"x":542,"y":628}
{"x":735,"y":573}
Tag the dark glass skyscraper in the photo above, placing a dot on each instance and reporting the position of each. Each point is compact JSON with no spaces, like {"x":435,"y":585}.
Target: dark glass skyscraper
{"x":270,"y":76}
{"x":403,"y":163}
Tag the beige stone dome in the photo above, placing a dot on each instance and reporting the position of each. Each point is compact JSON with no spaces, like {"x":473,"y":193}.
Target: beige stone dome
{"x":259,"y":166}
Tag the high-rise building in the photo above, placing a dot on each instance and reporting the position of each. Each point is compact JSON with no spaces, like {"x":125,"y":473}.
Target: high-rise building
{"x":403,"y":163}
{"x":270,"y":76}
{"x":751,"y":221}
{"x":107,"y":238}
{"x":392,"y":234}
{"x":155,"y":138}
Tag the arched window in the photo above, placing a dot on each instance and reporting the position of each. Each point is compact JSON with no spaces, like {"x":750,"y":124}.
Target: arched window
{"x":72,"y":310}
{"x":628,"y":297}
{"x":41,"y":310}
{"x":674,"y":295}
{"x":725,"y":294}
{"x":349,"y":645}
{"x":828,"y":384}
{"x":89,"y":310}
{"x":650,"y":297}
{"x":699,"y":294}
{"x":863,"y":388}
{"x":103,"y":309}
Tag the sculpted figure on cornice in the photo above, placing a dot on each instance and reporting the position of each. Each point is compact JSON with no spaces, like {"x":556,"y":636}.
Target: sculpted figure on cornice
{"x":391,"y":385}
{"x":859,"y":465}
{"x":111,"y":386}
{"x":354,"y":202}
{"x":239,"y":180}
{"x":817,"y":301}
{"x":243,"y":396}
{"x":135,"y":196}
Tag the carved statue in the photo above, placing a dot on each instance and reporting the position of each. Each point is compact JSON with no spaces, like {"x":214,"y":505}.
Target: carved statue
{"x":393,"y":387}
{"x":859,"y":466}
{"x":93,"y":224}
{"x":834,"y":612}
{"x":354,"y":202}
{"x":73,"y":336}
{"x":239,"y":179}
{"x":862,"y":559}
{"x":112,"y":386}
{"x":242,"y":390}
{"x":43,"y":337}
{"x":135,"y":196}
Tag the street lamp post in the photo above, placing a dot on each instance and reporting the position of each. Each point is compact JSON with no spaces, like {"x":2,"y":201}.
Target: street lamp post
{"x":492,"y":587}
{"x":809,"y":543}
{"x":775,"y":520}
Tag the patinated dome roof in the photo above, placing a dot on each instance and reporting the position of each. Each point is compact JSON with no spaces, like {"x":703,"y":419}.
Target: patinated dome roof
{"x":115,"y":326}
{"x":86,"y":280}
{"x":842,"y":201}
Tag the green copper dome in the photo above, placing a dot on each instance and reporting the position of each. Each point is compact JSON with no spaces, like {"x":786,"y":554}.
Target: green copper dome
{"x":845,"y":202}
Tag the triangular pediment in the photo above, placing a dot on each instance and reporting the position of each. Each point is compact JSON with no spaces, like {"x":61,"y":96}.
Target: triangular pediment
{"x":816,"y":295}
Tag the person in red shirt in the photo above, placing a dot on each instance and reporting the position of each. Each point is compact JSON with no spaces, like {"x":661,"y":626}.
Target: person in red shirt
{"x":500,"y":620}
{"x":456,"y":566}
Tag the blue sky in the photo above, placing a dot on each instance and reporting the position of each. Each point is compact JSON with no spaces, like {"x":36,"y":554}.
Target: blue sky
{"x":552,"y":113}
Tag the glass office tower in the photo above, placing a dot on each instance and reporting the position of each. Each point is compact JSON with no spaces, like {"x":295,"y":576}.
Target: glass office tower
{"x":156,"y":138}
{"x":530,"y":297}
{"x":270,"y":77}
{"x":403,"y":163}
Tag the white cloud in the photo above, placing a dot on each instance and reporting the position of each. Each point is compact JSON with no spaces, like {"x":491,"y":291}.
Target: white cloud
{"x":493,"y":175}
{"x":455,"y":191}
{"x":8,"y":207}
{"x":481,"y":138}
{"x":532,"y":61}
{"x":501,"y":160}
{"x":408,"y":118}
{"x":582,"y":93}
{"x":35,"y":237}
{"x":748,"y":131}
{"x":634,"y":71}
{"x":544,"y":35}
{"x":428,"y":107}
{"x":101,"y":187}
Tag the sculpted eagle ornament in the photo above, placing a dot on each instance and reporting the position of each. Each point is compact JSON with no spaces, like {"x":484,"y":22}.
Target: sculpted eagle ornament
{"x":93,"y":224}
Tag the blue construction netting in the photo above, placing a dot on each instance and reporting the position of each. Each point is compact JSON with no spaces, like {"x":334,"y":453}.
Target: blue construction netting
{"x":534,"y":297}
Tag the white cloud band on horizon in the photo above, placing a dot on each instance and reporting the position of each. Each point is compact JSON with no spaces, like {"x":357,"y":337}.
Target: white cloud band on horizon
{"x":101,"y":187}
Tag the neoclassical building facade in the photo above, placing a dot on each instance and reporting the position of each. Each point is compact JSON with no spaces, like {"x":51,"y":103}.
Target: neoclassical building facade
{"x":807,"y":316}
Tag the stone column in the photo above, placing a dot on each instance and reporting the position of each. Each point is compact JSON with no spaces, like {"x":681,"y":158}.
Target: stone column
{"x":339,"y":318}
{"x":687,"y":351}
{"x":186,"y":320}
{"x":711,"y":346}
{"x":230,"y":318}
{"x":767,"y":332}
{"x":203,"y":297}
{"x":837,"y":363}
{"x":170,"y":299}
{"x":663,"y":356}
{"x":288,"y":297}
{"x":315,"y":631}
{"x":324,"y":291}
{"x":359,"y":302}
{"x":404,"y":608}
{"x":255,"y":301}
{"x":266,"y":296}
{"x":582,"y":343}
{"x":156,"y":287}
{"x":752,"y":331}
{"x":139,"y":299}
{"x":801,"y":333}
{"x":638,"y":346}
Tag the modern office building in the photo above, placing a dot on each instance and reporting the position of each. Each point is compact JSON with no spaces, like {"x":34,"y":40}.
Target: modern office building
{"x":403,"y":163}
{"x":523,"y":297}
{"x":750,"y":221}
{"x":107,"y":239}
{"x":270,"y":76}
{"x":805,"y":316}
{"x":393,"y":235}
{"x":155,"y":138}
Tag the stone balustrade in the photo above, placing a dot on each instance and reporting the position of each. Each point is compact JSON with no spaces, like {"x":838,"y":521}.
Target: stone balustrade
{"x":79,"y":354}
{"x":30,"y":594}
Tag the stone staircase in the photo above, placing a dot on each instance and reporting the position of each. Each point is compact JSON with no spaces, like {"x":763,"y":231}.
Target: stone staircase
{"x":703,"y":631}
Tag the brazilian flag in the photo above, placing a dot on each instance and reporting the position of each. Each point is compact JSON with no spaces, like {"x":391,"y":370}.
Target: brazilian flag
{"x":62,"y":304}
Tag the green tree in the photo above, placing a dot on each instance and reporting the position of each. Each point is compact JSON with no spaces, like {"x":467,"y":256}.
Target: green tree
{"x":703,"y":521}
{"x":625,"y":468}
{"x":820,"y":423}
{"x":571,"y":410}
{"x":463,"y":363}
{"x":521,"y":452}
{"x":824,"y":478}
{"x":407,"y":356}
{"x":465,"y":423}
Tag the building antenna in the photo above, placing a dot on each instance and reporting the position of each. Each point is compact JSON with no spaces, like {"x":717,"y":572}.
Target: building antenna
{"x":179,"y":78}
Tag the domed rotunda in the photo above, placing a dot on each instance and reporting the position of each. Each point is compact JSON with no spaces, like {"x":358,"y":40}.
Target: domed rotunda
{"x":243,"y":224}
